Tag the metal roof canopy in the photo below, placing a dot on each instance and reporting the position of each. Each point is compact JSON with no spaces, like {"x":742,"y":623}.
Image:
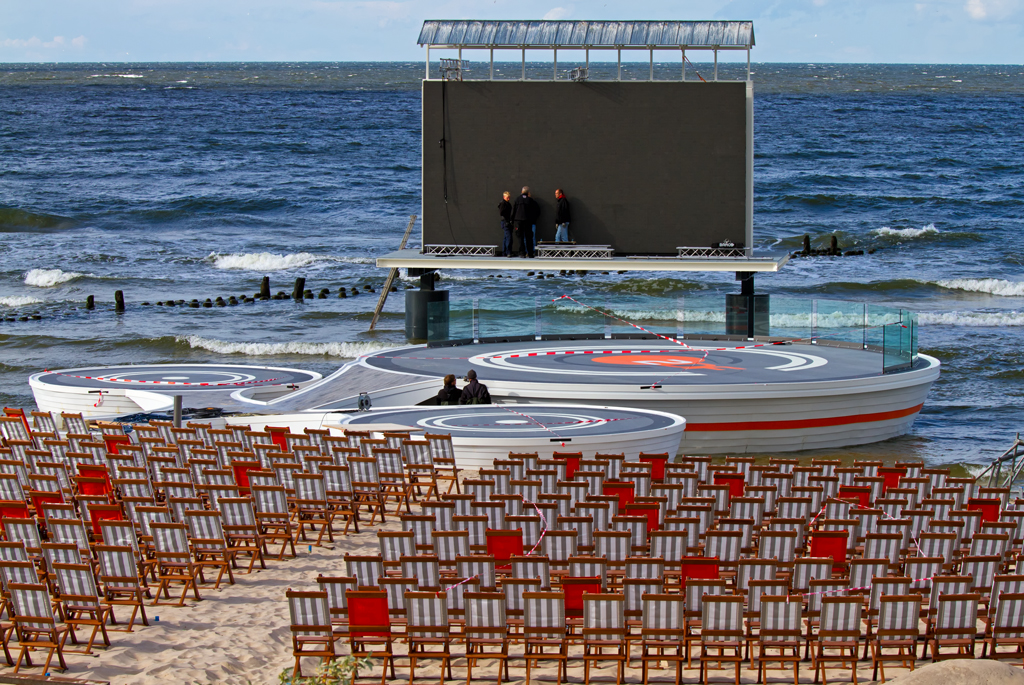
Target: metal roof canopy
{"x":595,"y":35}
{"x":587,"y":35}
{"x":412,"y":258}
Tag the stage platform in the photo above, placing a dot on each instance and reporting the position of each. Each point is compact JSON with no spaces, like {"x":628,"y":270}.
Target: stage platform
{"x":736,"y":397}
{"x":107,"y":391}
{"x":483,"y":433}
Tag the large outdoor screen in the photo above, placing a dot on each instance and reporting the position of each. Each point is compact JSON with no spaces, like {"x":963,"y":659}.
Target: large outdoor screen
{"x":647,"y":166}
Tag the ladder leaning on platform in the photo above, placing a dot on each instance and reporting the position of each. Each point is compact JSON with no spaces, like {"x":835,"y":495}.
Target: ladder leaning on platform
{"x":391,"y":276}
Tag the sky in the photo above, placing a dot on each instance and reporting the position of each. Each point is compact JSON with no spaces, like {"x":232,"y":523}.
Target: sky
{"x":818,"y":31}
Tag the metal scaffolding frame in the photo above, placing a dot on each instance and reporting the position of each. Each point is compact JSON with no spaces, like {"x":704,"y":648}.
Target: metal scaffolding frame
{"x":462,"y":35}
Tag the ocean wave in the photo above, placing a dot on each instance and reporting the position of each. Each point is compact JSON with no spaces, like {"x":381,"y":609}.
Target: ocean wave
{"x":992,"y":286}
{"x":972,"y":319}
{"x":344,"y":350}
{"x":14,"y":220}
{"x":905,"y":232}
{"x":835,"y":319}
{"x":47,"y":278}
{"x":18,"y":301}
{"x":263,"y":261}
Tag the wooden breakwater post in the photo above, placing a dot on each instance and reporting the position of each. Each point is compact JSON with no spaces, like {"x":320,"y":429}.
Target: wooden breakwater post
{"x":834,"y":245}
{"x":118,"y":301}
{"x":298,"y":290}
{"x":90,"y":302}
{"x":265,"y":288}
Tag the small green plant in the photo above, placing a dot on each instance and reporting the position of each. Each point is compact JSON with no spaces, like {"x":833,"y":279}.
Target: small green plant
{"x":340,"y":671}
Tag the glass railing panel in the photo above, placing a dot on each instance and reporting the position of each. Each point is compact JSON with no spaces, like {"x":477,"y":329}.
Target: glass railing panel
{"x":645,"y":316}
{"x":791,"y":318}
{"x":703,"y":315}
{"x":565,"y":317}
{"x":839,"y":321}
{"x":506,"y":316}
{"x":451,"y":320}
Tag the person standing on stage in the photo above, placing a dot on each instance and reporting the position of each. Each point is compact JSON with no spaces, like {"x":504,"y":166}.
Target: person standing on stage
{"x":562,"y":217}
{"x":534,"y":215}
{"x":505,"y":210}
{"x":522,"y":219}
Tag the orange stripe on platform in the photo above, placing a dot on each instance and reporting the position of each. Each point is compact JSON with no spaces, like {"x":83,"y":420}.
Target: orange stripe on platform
{"x":803,"y":423}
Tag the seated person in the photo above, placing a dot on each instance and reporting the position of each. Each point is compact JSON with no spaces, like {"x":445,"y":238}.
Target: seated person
{"x":449,"y":394}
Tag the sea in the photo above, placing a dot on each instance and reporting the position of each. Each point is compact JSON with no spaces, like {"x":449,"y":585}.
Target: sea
{"x":192,"y":181}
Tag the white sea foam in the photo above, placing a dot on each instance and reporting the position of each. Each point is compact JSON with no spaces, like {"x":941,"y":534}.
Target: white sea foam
{"x":18,"y":301}
{"x":47,"y":278}
{"x":263,"y":261}
{"x":345,"y":350}
{"x":969,"y":319}
{"x":906,"y":232}
{"x":992,"y":286}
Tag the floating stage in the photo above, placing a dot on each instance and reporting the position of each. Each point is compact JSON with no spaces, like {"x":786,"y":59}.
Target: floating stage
{"x":482,"y":433}
{"x":109,"y":391}
{"x":735,"y":397}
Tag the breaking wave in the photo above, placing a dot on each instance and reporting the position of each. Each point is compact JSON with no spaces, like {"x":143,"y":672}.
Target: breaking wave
{"x":18,"y":301}
{"x":992,"y":286}
{"x":47,"y":278}
{"x":905,"y":232}
{"x":266,"y":261}
{"x":345,"y":350}
{"x":972,"y":319}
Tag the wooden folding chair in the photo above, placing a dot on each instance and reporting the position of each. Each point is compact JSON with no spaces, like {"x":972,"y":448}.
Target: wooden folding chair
{"x":1006,"y":617}
{"x":209,"y":546}
{"x":238,"y":521}
{"x":839,"y":629}
{"x":311,"y":507}
{"x":503,"y":545}
{"x":486,"y":631}
{"x":604,"y":633}
{"x":898,"y":617}
{"x":780,"y":618}
{"x":119,"y":576}
{"x":662,"y":633}
{"x":721,"y":633}
{"x":273,"y":518}
{"x":36,"y":626}
{"x":370,"y":629}
{"x":337,"y":601}
{"x":174,"y":562}
{"x":312,"y":633}
{"x":544,"y":631}
{"x":80,"y":603}
{"x":955,"y":626}
{"x":428,"y":632}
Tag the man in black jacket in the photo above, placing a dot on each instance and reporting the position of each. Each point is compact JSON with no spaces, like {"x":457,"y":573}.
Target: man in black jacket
{"x":562,"y":217}
{"x":474,"y":392}
{"x":505,"y":210}
{"x":522,"y":217}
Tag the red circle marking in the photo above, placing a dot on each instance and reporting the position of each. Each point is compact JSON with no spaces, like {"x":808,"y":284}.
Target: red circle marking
{"x":677,"y":361}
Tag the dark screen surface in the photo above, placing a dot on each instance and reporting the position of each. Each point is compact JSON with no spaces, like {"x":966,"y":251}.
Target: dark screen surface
{"x":647,"y":167}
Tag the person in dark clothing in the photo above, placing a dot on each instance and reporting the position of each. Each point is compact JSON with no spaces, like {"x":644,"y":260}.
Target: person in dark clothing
{"x":534,"y":215}
{"x":505,"y":210}
{"x":474,"y":392}
{"x":449,"y":394}
{"x":562,"y":217}
{"x":522,"y":219}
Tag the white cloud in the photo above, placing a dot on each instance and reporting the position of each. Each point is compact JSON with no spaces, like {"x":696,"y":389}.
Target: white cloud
{"x":558,"y":13}
{"x":991,"y":9}
{"x":34,"y":42}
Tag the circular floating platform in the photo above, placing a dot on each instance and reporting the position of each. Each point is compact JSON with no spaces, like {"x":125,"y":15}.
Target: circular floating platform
{"x":482,"y":433}
{"x":119,"y":390}
{"x":735,"y":397}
